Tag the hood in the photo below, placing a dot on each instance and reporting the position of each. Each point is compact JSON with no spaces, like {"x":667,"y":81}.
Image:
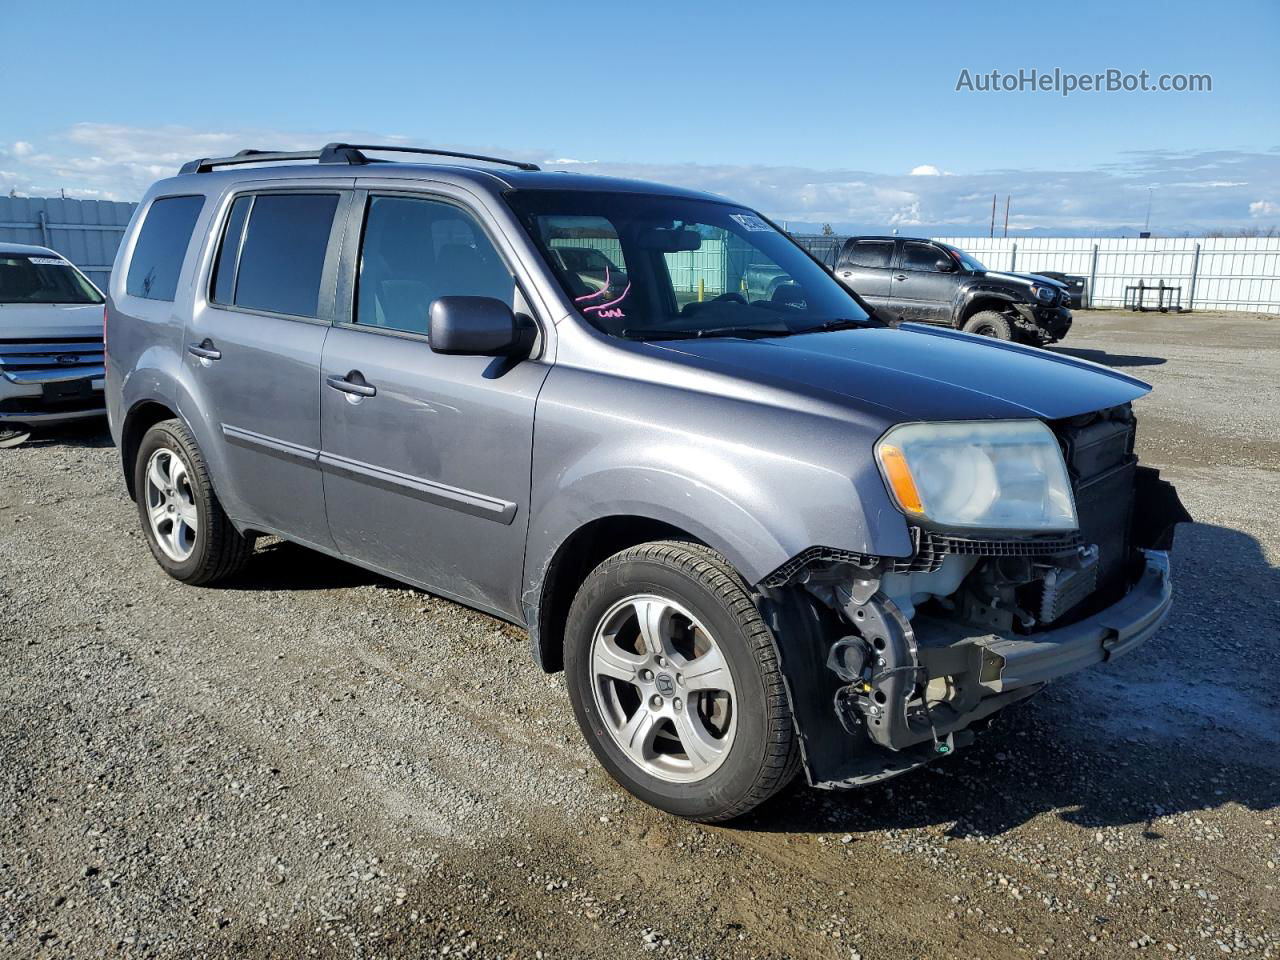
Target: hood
{"x":919,"y":372}
{"x":1027,"y":278}
{"x":28,"y":321}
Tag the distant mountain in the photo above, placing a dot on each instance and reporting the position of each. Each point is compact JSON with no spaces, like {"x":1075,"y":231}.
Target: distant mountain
{"x":958,"y":230}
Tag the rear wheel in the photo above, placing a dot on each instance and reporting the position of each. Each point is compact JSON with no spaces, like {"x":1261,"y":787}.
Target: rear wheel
{"x":676,"y":684}
{"x":989,"y":323}
{"x":186,"y":528}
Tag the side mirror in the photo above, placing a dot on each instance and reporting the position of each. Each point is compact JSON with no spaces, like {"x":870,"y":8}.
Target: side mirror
{"x":478,"y":326}
{"x":945,"y":265}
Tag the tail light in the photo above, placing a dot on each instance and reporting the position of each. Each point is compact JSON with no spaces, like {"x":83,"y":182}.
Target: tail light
{"x":104,"y":330}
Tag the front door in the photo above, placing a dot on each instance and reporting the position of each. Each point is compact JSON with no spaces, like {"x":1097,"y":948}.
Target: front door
{"x":426,"y":457}
{"x":920,"y":289}
{"x":863,"y":267}
{"x":254,"y":349}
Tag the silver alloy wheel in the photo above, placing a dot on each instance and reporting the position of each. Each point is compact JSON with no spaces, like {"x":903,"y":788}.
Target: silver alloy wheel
{"x":13,"y":437}
{"x":171,"y":504}
{"x":663,"y":688}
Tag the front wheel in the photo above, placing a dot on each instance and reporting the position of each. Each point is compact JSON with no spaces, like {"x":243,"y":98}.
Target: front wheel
{"x":989,"y":323}
{"x":676,"y":684}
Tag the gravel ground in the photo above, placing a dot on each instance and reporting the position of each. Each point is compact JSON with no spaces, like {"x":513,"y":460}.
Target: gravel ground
{"x":316,"y":761}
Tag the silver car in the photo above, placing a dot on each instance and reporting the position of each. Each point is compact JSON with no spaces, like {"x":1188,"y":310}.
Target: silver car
{"x":50,"y":342}
{"x":758,"y":535}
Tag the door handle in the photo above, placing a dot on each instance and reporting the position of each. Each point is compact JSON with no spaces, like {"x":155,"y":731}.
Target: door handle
{"x":846,"y":273}
{"x":205,"y":350}
{"x":901,"y":276}
{"x":353,"y":383}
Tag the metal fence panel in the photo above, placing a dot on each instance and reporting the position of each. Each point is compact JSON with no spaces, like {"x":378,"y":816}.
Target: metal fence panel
{"x":86,"y":232}
{"x":1213,"y":273}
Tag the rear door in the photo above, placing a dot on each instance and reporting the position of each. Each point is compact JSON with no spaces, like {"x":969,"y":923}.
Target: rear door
{"x":921,"y":291}
{"x":864,"y":268}
{"x":426,"y":466}
{"x":253,"y":349}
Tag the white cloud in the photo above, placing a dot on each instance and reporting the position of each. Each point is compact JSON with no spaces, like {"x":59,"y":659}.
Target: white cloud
{"x":113,"y":161}
{"x":908,"y":216}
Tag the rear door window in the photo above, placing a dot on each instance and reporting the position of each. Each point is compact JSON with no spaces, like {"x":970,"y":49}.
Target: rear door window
{"x":869,"y":253}
{"x":161,"y":247}
{"x":281,"y":258}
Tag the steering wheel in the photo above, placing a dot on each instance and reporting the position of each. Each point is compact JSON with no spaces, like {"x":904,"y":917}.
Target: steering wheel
{"x":731,"y":297}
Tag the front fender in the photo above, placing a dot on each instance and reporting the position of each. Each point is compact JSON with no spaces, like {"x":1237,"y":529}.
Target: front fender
{"x":759,"y":483}
{"x":982,"y":290}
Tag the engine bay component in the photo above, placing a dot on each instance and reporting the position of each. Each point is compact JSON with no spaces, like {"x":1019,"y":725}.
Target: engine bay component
{"x":1064,"y":587}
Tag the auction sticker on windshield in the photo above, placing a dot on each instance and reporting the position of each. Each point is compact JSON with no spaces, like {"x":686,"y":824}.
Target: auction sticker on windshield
{"x":752,"y":222}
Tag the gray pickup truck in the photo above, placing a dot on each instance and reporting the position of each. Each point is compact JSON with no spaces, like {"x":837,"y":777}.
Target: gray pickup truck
{"x":931,"y":282}
{"x":758,"y":533}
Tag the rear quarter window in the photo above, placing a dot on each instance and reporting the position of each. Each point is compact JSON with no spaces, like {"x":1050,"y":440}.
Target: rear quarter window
{"x":161,"y":247}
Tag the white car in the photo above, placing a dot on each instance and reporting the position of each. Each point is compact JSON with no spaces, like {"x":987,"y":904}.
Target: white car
{"x":51,"y":350}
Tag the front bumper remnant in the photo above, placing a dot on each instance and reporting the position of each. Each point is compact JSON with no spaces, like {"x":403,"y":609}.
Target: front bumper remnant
{"x":1054,"y":322}
{"x":967,"y":677}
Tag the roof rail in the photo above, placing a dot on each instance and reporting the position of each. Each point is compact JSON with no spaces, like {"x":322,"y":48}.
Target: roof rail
{"x":207,"y":164}
{"x":349,"y":153}
{"x":352,"y":153}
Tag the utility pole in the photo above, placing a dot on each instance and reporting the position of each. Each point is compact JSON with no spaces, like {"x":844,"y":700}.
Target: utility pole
{"x":993,"y":216}
{"x":1146,"y":227}
{"x":1007,"y":198}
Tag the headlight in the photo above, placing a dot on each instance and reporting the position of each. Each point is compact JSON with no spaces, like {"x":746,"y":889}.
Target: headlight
{"x":1005,"y":475}
{"x":1044,"y":294}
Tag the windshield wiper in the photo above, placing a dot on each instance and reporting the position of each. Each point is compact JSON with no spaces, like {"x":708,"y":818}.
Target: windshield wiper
{"x":745,"y":332}
{"x":839,"y":323}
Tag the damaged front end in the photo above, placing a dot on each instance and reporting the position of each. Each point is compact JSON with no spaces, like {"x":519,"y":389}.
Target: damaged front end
{"x":892,"y":662}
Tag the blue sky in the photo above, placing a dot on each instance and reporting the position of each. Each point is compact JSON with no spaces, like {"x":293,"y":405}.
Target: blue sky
{"x":812,"y":111}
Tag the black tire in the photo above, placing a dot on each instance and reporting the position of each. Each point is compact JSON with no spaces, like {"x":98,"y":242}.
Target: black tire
{"x":763,"y":756}
{"x":990,"y":323}
{"x":219,"y":550}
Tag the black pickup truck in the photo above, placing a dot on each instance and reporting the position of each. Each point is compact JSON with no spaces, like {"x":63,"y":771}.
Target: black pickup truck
{"x":931,"y":282}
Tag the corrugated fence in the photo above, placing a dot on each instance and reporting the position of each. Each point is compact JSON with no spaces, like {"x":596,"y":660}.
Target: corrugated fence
{"x":86,"y":232}
{"x":1209,"y":273}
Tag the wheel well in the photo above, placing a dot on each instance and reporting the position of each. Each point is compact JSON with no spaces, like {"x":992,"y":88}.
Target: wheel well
{"x":137,"y":422}
{"x":983,"y":303}
{"x":581,"y":553}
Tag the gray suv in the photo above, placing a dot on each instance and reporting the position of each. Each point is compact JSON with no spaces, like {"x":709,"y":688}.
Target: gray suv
{"x":758,"y":535}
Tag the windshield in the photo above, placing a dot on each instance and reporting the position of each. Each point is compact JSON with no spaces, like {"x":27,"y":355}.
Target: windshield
{"x":658,"y":267}
{"x":966,"y":261}
{"x":43,"y":278}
